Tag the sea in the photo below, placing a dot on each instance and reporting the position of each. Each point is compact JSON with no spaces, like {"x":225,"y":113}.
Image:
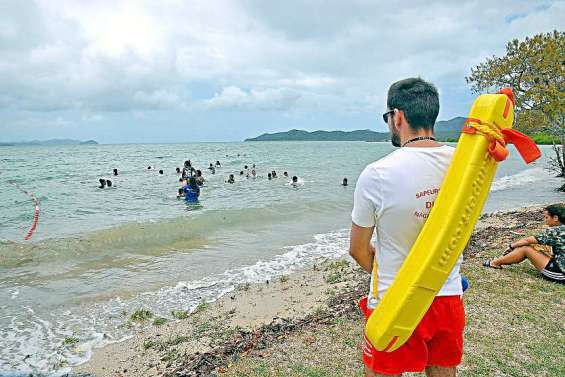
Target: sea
{"x":97,"y":255}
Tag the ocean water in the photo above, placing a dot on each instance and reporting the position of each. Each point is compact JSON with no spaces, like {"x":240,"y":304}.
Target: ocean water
{"x":97,"y":255}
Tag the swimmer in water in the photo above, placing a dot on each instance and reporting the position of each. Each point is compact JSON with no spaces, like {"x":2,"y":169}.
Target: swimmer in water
{"x":115,"y":172}
{"x":218,"y":164}
{"x":294,"y":182}
{"x":161,"y":171}
{"x":253,"y":173}
{"x":102,"y":183}
{"x":231,"y":179}
{"x":108,"y":183}
{"x":149,"y":168}
{"x":187,"y":170}
{"x":274,"y":174}
{"x":178,"y":171}
{"x":199,"y":178}
{"x":269,"y":176}
{"x":285,"y":174}
{"x":344,"y":183}
{"x":192,"y":191}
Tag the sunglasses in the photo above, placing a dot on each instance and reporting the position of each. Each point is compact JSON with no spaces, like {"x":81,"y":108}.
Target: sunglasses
{"x":386,"y":115}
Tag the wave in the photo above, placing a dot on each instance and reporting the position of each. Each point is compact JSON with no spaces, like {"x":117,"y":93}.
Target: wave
{"x":34,"y":342}
{"x":524,"y":177}
{"x":159,"y":237}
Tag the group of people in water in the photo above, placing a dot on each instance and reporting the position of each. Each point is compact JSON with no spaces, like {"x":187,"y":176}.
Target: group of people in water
{"x":191,"y":179}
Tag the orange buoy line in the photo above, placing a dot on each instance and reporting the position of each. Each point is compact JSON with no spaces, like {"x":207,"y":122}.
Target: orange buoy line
{"x":36,"y":213}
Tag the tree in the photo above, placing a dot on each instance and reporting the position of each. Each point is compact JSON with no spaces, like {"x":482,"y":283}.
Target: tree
{"x":534,"y":68}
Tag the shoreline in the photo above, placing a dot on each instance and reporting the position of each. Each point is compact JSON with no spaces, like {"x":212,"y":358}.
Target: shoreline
{"x":254,"y":317}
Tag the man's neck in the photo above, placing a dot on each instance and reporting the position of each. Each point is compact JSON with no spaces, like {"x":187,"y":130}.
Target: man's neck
{"x":424,"y":143}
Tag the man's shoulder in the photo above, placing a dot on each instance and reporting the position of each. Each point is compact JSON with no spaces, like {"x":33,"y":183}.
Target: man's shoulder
{"x":404,"y":156}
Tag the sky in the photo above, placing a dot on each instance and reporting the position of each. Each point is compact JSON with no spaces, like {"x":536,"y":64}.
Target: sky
{"x":185,"y":71}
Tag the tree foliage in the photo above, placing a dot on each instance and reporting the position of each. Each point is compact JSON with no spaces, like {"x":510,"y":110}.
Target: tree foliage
{"x":535,"y":69}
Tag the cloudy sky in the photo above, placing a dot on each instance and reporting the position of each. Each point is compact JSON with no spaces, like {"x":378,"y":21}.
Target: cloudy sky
{"x":180,"y":71}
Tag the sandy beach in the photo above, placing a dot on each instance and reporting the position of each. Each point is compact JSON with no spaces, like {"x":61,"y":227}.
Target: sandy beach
{"x":307,"y":323}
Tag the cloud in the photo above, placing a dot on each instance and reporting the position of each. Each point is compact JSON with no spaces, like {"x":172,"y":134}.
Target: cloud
{"x":100,"y":57}
{"x":234,"y":98}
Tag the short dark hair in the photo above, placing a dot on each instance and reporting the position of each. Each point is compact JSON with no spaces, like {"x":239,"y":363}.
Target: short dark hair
{"x":557,"y":210}
{"x":418,"y":99}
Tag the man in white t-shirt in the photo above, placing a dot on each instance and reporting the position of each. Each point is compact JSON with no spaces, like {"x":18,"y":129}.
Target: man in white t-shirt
{"x":393,"y":198}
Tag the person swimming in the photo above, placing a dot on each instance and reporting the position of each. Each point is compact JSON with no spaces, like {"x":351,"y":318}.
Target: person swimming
{"x":115,"y":172}
{"x":344,"y":183}
{"x":108,"y":183}
{"x":231,"y":179}
{"x":199,"y":178}
{"x":102,"y":183}
{"x":274,"y":174}
{"x":191,"y":191}
{"x":187,"y":170}
{"x":178,"y":171}
{"x":218,"y":164}
{"x":294,"y":182}
{"x":269,"y":176}
{"x":161,"y":171}
{"x":285,"y":174}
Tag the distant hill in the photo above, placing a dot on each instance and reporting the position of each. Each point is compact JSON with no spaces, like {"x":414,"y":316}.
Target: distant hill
{"x":299,"y":135}
{"x":49,"y":142}
{"x":447,"y":130}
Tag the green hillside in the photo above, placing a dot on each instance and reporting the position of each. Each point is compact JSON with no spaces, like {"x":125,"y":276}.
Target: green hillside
{"x":445,"y":130}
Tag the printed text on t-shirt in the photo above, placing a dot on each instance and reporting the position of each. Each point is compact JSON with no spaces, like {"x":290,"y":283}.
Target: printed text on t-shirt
{"x":432,"y":191}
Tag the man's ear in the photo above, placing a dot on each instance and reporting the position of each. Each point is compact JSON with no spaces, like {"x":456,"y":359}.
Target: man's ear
{"x":398,"y":119}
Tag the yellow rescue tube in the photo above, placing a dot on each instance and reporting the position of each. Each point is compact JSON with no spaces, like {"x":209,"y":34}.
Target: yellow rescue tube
{"x":448,"y":228}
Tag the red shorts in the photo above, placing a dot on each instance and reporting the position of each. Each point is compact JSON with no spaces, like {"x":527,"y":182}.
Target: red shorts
{"x":437,"y":340}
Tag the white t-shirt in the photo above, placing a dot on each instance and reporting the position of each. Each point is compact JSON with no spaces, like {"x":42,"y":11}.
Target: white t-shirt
{"x":395,"y":195}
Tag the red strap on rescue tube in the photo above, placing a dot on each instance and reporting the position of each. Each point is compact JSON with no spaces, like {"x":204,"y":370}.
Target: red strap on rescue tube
{"x":524,"y":144}
{"x":498,"y":150}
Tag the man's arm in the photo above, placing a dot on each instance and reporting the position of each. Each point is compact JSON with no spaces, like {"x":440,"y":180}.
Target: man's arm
{"x":360,"y":247}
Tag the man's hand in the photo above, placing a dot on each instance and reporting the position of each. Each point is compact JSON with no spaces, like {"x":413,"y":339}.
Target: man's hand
{"x":360,"y":247}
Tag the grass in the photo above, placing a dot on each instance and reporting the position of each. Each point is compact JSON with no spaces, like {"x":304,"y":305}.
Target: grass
{"x":167,"y":344}
{"x":70,"y":340}
{"x":333,"y":278}
{"x":141,"y":315}
{"x":159,"y":321}
{"x":200,"y":307}
{"x":514,"y":328}
{"x":180,"y":314}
